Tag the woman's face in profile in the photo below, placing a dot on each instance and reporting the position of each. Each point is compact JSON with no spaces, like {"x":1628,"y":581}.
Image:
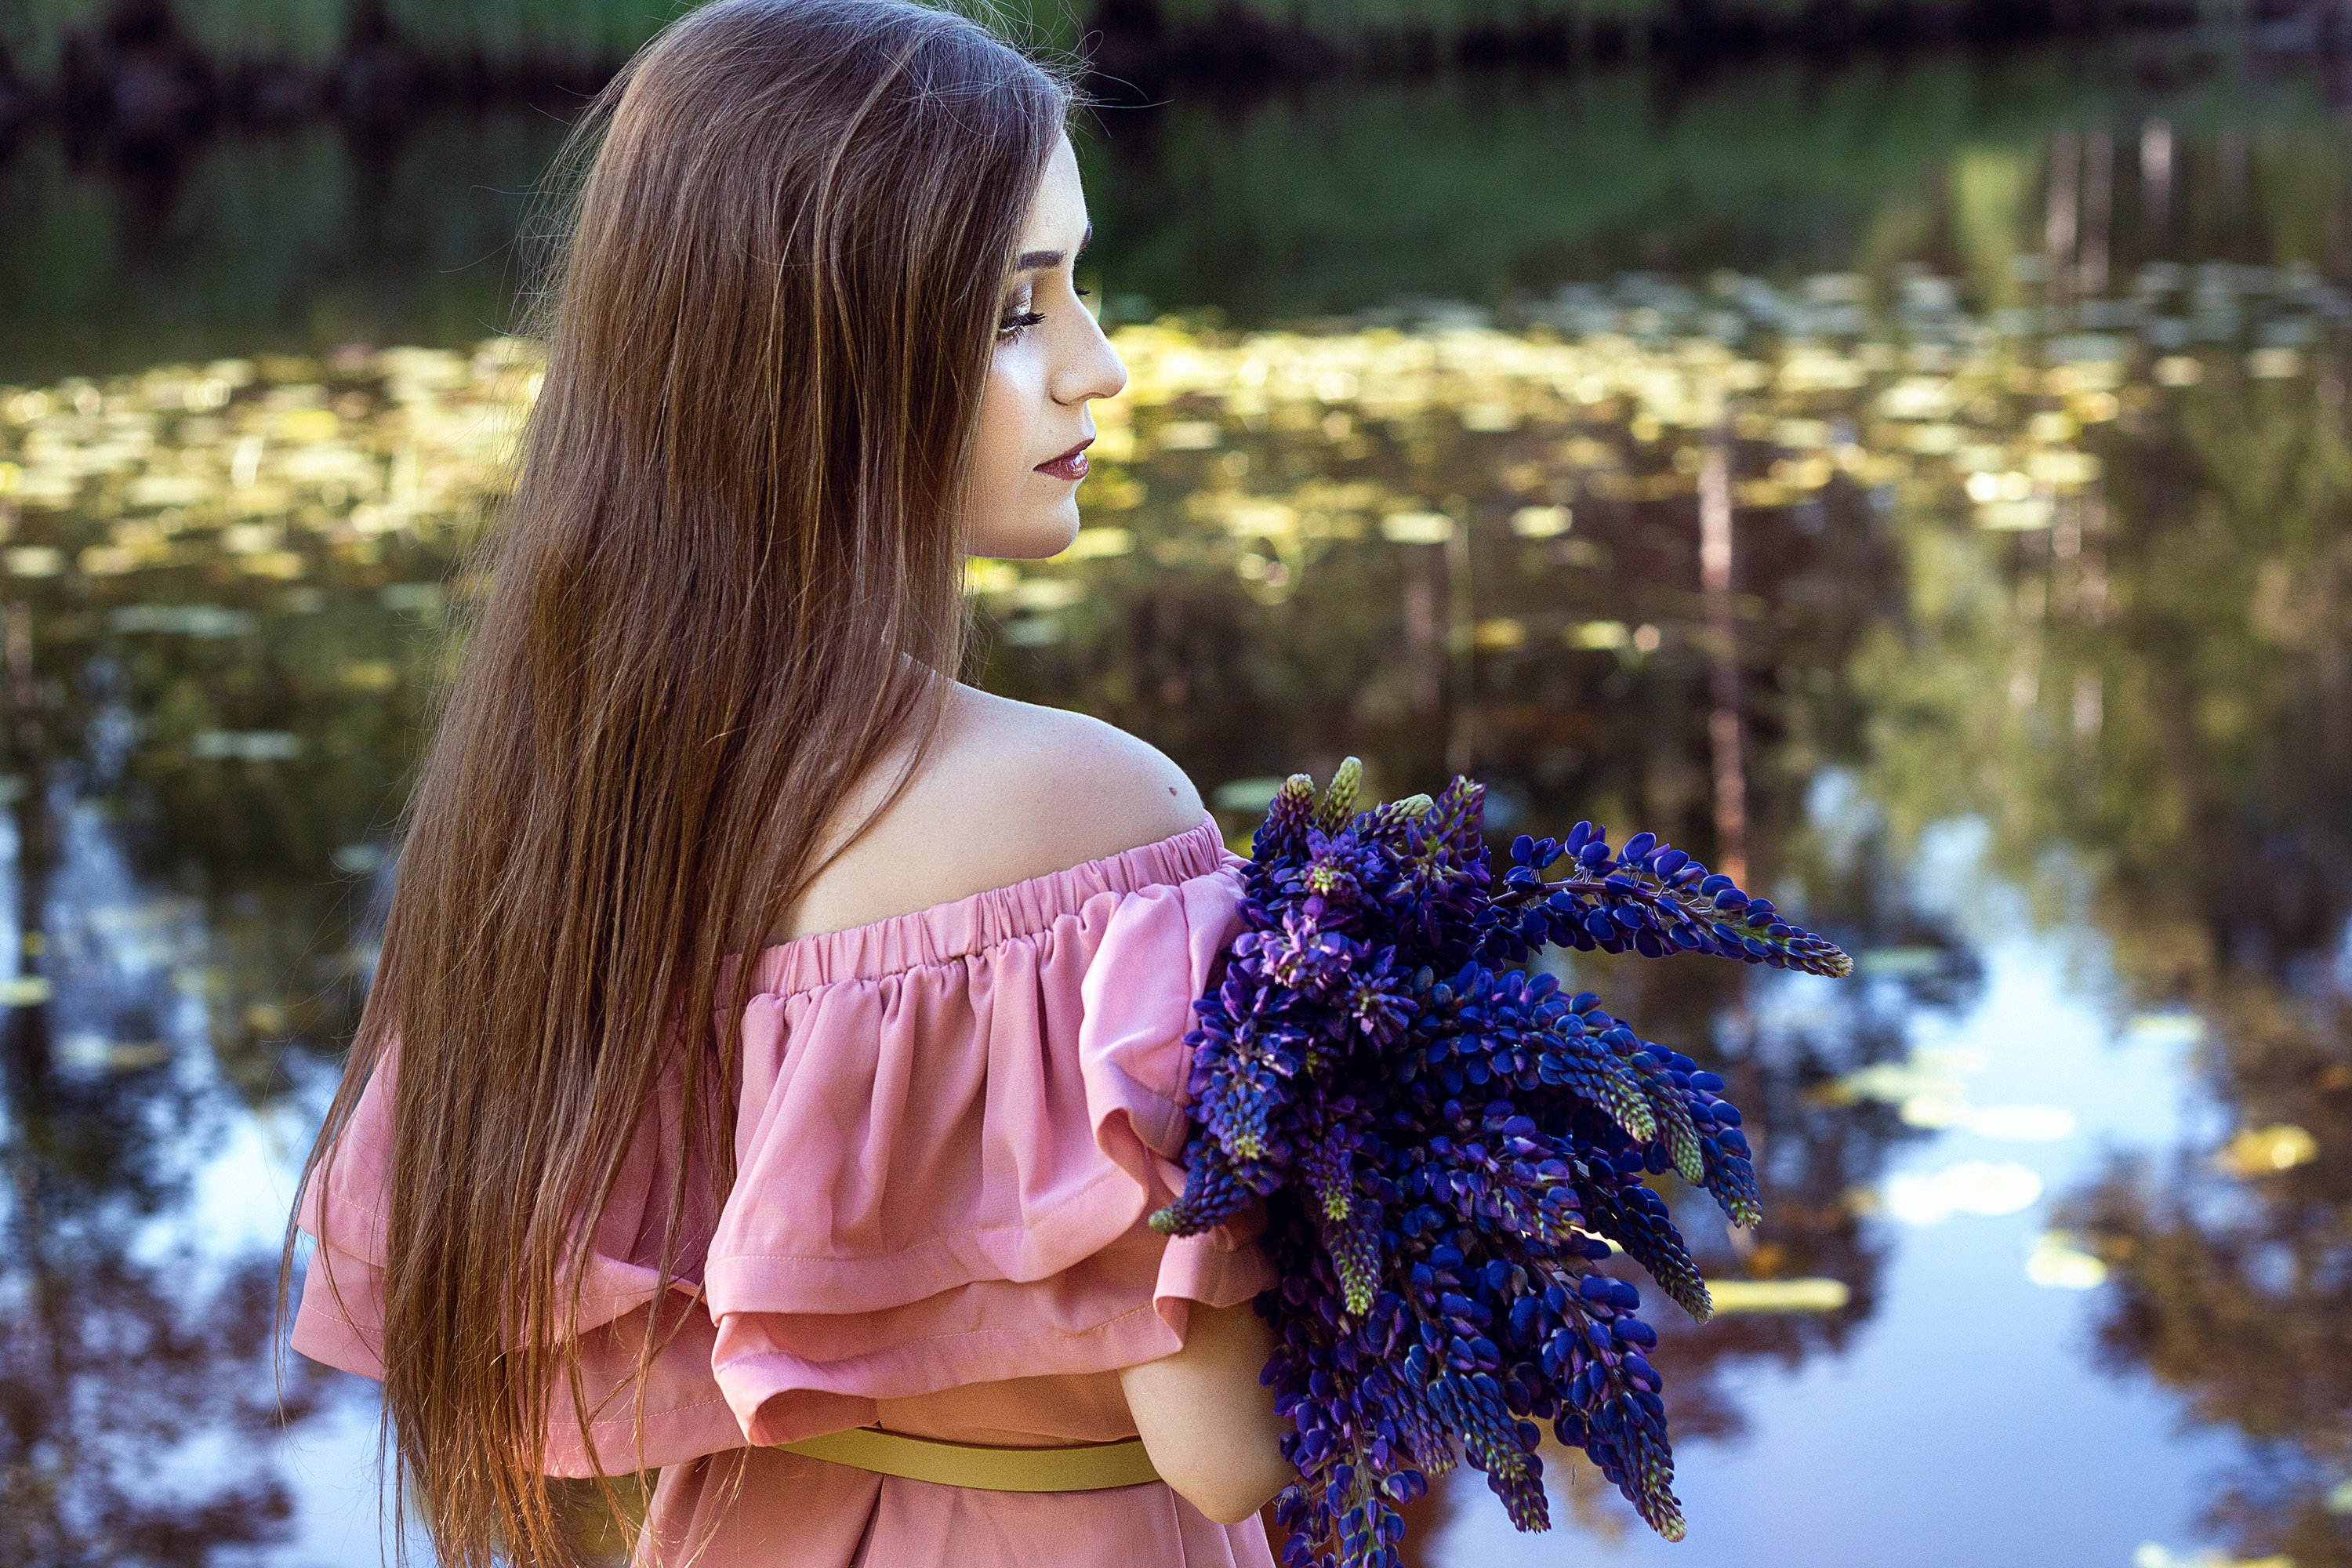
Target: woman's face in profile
{"x":1050,"y":359}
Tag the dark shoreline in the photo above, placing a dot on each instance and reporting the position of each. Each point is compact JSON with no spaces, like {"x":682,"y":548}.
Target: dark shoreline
{"x":136,"y":76}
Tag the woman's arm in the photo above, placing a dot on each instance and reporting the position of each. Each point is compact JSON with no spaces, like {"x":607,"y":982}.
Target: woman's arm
{"x":1206,"y":1421}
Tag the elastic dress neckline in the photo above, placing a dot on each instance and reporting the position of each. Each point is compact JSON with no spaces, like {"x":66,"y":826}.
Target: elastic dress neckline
{"x":956,"y":929}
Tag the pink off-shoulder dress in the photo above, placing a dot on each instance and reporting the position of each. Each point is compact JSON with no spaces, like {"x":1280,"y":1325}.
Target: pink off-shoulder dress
{"x":954,"y":1125}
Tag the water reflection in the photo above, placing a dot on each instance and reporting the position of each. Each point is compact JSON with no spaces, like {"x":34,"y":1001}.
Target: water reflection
{"x":137,"y":1398}
{"x":1832,"y":566}
{"x":2230,"y":1278}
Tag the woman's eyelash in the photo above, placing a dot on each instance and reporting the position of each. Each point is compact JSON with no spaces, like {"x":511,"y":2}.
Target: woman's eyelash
{"x":1014,"y":325}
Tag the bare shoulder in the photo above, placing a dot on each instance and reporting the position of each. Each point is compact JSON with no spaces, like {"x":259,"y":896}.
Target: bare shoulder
{"x":1053,"y":788}
{"x":1013,"y":790}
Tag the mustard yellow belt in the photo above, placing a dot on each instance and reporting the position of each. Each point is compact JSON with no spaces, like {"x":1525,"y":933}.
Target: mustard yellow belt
{"x":1081,"y":1467}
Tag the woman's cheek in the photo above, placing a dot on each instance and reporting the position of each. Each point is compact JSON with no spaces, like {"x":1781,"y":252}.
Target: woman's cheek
{"x":1005,"y":412}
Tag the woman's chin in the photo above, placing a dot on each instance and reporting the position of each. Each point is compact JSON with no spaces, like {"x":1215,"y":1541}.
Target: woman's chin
{"x":1040,"y":531}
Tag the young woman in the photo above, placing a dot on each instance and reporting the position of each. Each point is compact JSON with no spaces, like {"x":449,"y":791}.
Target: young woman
{"x":848,"y":1240}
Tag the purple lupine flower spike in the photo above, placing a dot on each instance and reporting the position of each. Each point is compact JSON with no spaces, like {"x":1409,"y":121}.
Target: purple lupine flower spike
{"x":1447,"y":1145}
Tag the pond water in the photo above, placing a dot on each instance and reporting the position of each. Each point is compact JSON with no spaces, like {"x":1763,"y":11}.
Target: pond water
{"x":1932,"y":501}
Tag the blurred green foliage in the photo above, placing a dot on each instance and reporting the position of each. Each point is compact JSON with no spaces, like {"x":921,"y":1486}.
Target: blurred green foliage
{"x":1333,"y":200}
{"x":589,"y":36}
{"x":1340,"y":197}
{"x":280,"y":240}
{"x":571,"y":37}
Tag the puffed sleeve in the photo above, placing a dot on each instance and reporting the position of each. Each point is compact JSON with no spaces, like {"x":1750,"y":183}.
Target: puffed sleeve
{"x":339,"y":1321}
{"x":1135,"y":1008}
{"x":946,"y":1171}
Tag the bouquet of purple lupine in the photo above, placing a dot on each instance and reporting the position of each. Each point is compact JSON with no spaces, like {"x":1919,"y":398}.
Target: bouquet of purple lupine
{"x":1447,"y":1145}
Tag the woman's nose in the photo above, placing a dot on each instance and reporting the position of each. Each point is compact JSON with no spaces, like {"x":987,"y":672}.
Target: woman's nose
{"x":1094,"y":368}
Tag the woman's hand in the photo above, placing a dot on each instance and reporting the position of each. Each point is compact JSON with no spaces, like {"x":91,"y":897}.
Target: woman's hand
{"x":1206,"y":1421}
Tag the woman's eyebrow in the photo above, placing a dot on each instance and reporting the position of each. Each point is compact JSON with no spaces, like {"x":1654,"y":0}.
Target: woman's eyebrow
{"x":1036,"y":260}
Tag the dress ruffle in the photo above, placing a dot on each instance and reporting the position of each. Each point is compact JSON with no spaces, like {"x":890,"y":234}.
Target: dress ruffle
{"x":954,"y":1125}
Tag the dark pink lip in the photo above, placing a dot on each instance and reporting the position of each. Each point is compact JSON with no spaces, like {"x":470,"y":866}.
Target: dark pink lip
{"x":1070,"y":465}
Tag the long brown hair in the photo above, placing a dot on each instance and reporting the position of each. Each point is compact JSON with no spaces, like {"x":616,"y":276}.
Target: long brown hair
{"x":727,"y":585}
